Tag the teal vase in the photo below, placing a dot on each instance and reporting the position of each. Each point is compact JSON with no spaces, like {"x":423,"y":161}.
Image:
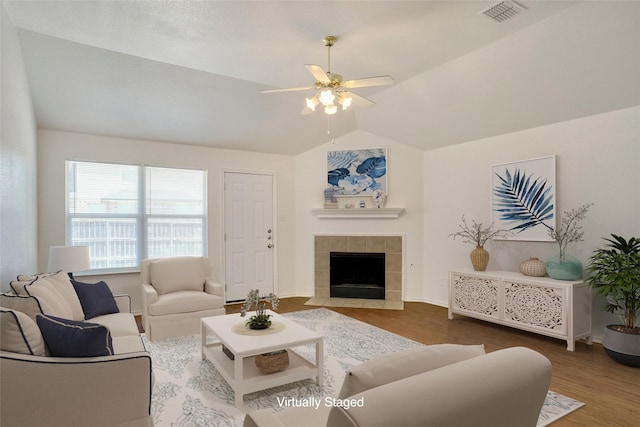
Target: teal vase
{"x":565,"y":268}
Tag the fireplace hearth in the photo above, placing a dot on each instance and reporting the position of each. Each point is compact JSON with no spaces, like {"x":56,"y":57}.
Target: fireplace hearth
{"x":357,"y":275}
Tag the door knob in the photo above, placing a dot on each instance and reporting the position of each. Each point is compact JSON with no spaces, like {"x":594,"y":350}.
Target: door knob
{"x":269,"y":246}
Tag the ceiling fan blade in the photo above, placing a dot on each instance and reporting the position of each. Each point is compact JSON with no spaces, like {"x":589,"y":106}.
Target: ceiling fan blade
{"x":318,"y":73}
{"x":359,"y":100}
{"x":291,"y":89}
{"x":369,"y":81}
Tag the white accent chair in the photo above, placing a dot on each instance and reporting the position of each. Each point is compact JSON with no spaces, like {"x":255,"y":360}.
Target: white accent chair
{"x":176,"y":293}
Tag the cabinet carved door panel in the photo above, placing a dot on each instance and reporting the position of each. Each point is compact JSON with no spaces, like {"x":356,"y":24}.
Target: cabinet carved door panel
{"x":476,"y":294}
{"x":537,"y":306}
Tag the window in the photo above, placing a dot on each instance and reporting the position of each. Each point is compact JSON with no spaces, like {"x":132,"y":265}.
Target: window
{"x":126,"y":213}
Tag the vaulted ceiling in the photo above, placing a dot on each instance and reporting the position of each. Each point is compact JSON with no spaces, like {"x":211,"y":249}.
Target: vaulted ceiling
{"x":191,"y":71}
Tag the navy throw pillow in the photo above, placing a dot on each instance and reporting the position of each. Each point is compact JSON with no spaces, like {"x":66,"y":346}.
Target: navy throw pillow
{"x":71,"y":338}
{"x":96,"y":299}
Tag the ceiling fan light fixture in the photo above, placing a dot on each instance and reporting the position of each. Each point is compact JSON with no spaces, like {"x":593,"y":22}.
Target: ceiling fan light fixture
{"x":327,"y":97}
{"x":330,"y":109}
{"x":312,"y":102}
{"x":345,"y":101}
{"x":330,"y":87}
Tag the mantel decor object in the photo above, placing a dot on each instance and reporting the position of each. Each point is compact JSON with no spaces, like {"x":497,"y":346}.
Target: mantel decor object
{"x":330,"y":201}
{"x":379,"y":197}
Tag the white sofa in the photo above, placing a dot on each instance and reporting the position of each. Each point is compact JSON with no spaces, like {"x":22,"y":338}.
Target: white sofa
{"x":176,"y":293}
{"x":38,"y":389}
{"x":433,"y":386}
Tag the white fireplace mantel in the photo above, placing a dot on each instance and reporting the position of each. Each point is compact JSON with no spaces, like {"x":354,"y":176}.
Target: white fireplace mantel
{"x":359,"y":213}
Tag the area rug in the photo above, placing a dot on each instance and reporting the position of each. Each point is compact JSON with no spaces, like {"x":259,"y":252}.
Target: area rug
{"x":189,"y":392}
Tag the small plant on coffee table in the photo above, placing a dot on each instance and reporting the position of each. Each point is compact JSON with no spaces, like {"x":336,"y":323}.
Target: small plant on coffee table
{"x":260,"y":320}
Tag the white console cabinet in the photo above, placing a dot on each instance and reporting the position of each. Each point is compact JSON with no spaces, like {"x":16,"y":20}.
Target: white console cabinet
{"x":557,"y":308}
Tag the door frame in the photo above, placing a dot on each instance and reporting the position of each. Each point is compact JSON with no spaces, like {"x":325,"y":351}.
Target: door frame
{"x":223,"y":224}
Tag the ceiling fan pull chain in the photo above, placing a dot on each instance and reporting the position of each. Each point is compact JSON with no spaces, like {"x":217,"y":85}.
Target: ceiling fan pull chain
{"x":330,"y":128}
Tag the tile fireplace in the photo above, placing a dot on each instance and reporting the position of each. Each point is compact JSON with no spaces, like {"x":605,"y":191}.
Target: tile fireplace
{"x":379,"y":247}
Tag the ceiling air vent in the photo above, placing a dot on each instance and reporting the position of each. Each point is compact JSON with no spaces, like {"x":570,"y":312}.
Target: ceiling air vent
{"x":502,"y":10}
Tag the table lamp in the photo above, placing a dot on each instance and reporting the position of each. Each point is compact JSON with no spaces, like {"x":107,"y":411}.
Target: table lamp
{"x":69,"y":259}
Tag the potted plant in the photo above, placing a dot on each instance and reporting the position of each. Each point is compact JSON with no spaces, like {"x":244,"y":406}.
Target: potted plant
{"x":564,"y":266}
{"x":478,"y":235}
{"x":616,"y":276}
{"x":260,"y":320}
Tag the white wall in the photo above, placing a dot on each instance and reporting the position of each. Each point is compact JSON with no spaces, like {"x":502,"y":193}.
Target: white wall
{"x":405,"y":189}
{"x":597,"y":161}
{"x":56,"y":147}
{"x":18,"y":156}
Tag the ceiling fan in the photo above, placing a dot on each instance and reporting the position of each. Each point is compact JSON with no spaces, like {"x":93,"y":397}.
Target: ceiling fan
{"x":331,"y":87}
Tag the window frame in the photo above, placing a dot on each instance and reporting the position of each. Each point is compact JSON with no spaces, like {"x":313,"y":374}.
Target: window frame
{"x":141,"y":217}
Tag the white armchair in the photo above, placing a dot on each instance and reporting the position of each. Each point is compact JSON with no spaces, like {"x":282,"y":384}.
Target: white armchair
{"x":176,"y":293}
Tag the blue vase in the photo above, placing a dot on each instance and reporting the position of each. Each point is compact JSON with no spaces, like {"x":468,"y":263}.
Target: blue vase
{"x":568,"y":268}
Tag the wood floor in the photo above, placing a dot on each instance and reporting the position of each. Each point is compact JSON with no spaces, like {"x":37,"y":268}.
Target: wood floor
{"x":610,"y":391}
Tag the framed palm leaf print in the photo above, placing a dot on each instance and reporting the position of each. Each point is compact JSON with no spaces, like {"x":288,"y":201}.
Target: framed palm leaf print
{"x":523,"y":198}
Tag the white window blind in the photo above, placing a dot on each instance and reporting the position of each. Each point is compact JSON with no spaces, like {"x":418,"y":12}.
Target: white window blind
{"x":126,"y":213}
{"x":175,"y":212}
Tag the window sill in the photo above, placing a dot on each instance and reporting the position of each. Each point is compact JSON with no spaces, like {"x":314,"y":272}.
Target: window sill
{"x":97,"y":273}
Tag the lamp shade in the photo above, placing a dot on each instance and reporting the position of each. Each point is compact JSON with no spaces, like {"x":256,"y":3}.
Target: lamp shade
{"x":69,"y":258}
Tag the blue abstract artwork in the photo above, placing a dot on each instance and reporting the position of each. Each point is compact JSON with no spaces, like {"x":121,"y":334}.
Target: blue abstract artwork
{"x":357,"y":172}
{"x":524,"y":198}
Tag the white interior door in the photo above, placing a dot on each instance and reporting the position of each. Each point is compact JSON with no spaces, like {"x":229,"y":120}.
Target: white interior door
{"x":249,"y":234}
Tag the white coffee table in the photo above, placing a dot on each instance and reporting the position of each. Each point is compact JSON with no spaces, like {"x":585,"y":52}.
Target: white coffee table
{"x":241,"y":373}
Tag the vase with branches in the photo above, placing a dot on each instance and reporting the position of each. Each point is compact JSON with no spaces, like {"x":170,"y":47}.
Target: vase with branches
{"x":254,"y":301}
{"x":564,"y":266}
{"x":570,"y":229}
{"x":478,"y":234}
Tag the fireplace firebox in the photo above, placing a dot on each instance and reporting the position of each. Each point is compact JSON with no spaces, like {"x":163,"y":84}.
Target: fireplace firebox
{"x":357,"y":275}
